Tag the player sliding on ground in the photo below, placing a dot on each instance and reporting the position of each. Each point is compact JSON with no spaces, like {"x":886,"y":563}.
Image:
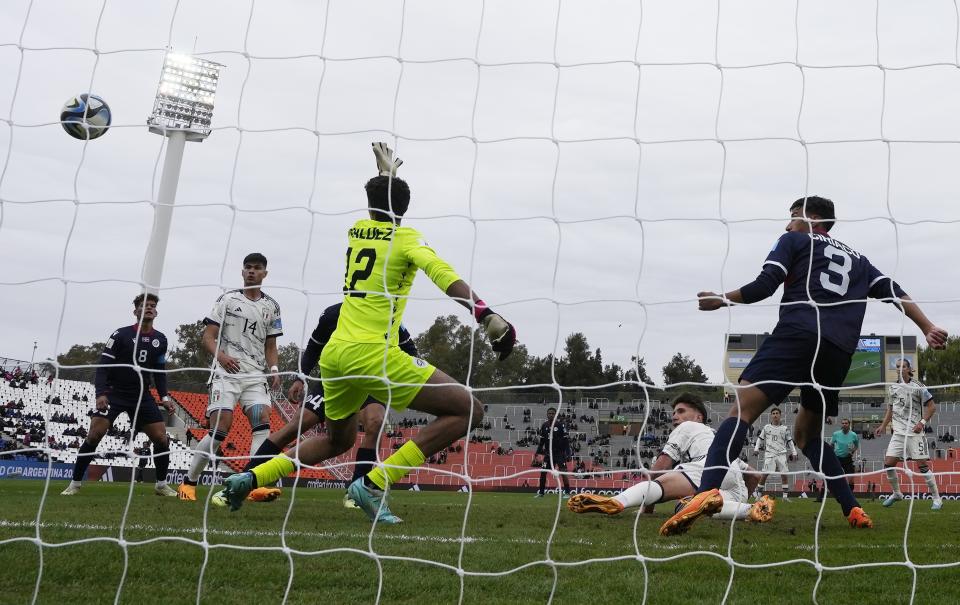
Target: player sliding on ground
{"x":362,"y":358}
{"x":910,"y":407}
{"x":682,"y":458}
{"x":311,"y":413}
{"x":817,"y":339}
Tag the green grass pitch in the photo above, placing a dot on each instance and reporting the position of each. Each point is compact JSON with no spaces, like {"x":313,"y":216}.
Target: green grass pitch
{"x":514,"y":552}
{"x":864,"y":368}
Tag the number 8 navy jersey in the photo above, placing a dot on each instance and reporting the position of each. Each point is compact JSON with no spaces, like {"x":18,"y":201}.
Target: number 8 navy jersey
{"x":125,"y":351}
{"x":840,"y":279}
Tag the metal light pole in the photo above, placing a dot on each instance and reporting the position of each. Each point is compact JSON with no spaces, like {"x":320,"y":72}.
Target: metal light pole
{"x":182,"y":112}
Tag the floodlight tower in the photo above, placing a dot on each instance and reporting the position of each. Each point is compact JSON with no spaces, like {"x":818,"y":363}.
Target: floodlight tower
{"x":182,"y":112}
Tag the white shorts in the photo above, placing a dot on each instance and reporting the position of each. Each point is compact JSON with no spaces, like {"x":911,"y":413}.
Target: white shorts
{"x":733,"y":489}
{"x":226,"y":392}
{"x":908,"y":447}
{"x":775,"y":464}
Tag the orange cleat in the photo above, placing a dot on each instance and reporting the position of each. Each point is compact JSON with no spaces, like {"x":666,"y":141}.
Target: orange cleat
{"x":264,"y":494}
{"x":706,"y":503}
{"x":762,"y":510}
{"x":187,"y":492}
{"x":859,"y":519}
{"x":592,"y":503}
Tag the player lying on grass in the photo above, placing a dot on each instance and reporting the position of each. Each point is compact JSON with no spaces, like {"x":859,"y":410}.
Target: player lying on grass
{"x":362,"y":358}
{"x":910,"y":408}
{"x":817,"y":339}
{"x":370,"y":415}
{"x":682,"y":459}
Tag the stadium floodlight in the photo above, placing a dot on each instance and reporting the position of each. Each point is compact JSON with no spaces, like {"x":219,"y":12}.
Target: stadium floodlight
{"x":185,"y":97}
{"x":182,"y":111}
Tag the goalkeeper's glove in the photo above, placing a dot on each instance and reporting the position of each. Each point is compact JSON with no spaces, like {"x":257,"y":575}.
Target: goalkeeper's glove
{"x":387,"y":163}
{"x":501,"y":332}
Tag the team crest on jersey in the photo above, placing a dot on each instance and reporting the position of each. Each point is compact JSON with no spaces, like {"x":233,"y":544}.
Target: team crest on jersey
{"x":419,"y":362}
{"x":156,"y":343}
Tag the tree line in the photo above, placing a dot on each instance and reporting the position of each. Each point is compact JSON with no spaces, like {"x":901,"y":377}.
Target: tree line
{"x":463,"y":352}
{"x":460,"y":350}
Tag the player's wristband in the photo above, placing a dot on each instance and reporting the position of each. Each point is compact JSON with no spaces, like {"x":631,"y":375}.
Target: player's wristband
{"x":274,"y":369}
{"x":481,"y":310}
{"x":923,"y":421}
{"x":166,"y":398}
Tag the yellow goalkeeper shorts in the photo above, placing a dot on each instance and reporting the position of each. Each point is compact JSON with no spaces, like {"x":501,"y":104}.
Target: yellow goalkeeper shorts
{"x":352,"y":371}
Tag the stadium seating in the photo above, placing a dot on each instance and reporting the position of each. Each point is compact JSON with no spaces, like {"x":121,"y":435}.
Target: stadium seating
{"x":499,"y":455}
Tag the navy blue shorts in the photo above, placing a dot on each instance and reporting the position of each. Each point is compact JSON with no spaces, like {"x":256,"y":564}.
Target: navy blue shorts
{"x":787,"y":355}
{"x":148,"y":413}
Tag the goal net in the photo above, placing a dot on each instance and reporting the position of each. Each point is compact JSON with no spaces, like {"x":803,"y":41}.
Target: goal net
{"x":587,"y":166}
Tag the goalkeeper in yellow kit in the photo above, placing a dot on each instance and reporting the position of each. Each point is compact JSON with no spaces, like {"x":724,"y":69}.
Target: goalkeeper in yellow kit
{"x":362,"y":358}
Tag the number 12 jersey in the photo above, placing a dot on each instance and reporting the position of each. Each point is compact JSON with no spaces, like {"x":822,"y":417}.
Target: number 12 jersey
{"x":382,"y":261}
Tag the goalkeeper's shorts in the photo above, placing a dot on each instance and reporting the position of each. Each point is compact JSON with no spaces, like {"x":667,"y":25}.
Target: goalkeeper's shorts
{"x":352,"y":372}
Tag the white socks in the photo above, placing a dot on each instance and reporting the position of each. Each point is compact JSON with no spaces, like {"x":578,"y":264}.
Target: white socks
{"x":256,"y":441}
{"x":931,"y":482}
{"x":733,"y":510}
{"x":894,"y":479}
{"x":641,"y":494}
{"x":201,"y":455}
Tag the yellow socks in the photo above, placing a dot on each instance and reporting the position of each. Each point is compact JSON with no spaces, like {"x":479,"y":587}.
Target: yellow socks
{"x":408,"y":455}
{"x":273,"y":469}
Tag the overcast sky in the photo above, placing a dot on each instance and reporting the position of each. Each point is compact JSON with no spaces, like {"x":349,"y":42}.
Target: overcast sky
{"x":585,"y":165}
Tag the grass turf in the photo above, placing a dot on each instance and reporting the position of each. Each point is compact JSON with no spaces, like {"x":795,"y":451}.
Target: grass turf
{"x":511,"y":541}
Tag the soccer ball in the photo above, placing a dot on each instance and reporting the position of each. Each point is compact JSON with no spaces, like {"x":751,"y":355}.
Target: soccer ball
{"x":85,"y":117}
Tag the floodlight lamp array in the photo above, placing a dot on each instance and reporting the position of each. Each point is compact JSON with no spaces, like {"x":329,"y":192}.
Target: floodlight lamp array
{"x":185,"y":96}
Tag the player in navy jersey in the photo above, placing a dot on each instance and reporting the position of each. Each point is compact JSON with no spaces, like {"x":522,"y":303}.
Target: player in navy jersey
{"x":811,"y":343}
{"x":132,"y":356}
{"x":553,"y":451}
{"x":370,"y":416}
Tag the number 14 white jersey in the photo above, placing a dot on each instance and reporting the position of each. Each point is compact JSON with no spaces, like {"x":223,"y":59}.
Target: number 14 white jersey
{"x":245,"y":326}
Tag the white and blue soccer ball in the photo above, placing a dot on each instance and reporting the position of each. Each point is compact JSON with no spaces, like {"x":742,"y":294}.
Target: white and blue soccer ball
{"x":86,"y":117}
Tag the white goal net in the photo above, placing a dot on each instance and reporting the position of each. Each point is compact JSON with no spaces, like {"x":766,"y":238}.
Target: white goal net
{"x":586,"y":166}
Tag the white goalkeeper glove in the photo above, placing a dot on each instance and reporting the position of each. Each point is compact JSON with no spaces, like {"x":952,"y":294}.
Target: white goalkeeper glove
{"x":387,"y":163}
{"x":501,"y":332}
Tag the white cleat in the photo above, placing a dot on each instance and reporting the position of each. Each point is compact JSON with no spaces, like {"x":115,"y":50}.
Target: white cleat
{"x":165,"y":490}
{"x":72,"y":490}
{"x":937,"y":504}
{"x":891,"y":499}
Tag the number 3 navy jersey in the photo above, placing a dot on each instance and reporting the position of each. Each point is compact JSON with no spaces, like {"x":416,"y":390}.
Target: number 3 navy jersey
{"x":840,"y":281}
{"x":125,"y":351}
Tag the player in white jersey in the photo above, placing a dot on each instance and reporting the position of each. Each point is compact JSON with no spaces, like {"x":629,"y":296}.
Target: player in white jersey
{"x":678,"y":469}
{"x":241,"y":333}
{"x":910,"y":407}
{"x":774,"y":440}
